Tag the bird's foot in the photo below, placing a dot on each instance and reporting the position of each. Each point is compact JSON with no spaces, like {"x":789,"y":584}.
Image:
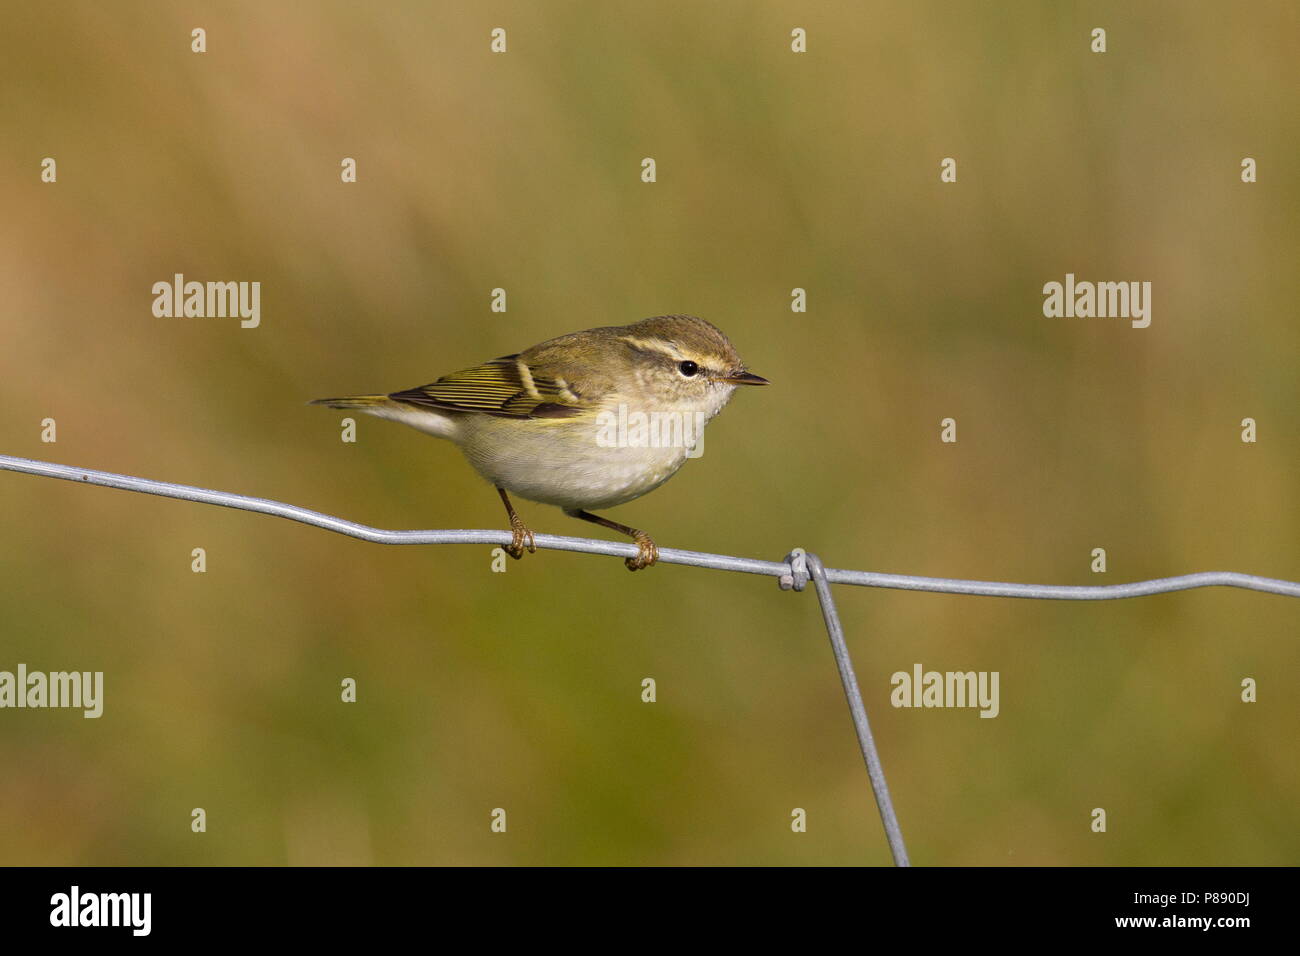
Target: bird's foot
{"x":521,"y":538}
{"x":647,"y":552}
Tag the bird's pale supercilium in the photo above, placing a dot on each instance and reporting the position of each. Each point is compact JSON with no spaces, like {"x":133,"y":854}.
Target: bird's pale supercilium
{"x":536,"y":424}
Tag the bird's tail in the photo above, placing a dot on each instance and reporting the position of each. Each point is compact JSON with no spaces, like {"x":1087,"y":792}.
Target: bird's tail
{"x":368,"y":403}
{"x":431,"y":420}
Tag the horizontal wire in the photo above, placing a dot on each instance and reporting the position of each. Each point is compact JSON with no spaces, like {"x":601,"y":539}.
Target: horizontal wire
{"x":699,"y":559}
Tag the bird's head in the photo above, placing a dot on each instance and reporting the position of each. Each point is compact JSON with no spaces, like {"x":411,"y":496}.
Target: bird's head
{"x":686,"y":362}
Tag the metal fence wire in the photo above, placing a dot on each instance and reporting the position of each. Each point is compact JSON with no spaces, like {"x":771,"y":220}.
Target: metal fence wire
{"x":793,"y":573}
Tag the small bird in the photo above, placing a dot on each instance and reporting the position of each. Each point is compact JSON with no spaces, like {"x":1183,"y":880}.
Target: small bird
{"x":544,"y":424}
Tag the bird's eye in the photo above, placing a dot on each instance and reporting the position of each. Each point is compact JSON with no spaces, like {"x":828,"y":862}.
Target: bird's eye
{"x":688,"y":368}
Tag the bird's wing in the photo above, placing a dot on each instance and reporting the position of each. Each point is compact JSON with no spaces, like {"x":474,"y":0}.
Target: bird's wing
{"x":506,"y":387}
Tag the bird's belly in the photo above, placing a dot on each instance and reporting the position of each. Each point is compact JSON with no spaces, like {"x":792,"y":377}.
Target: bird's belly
{"x":570,"y":470}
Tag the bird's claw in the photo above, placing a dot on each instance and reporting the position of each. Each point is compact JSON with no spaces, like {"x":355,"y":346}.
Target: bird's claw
{"x":520,"y":538}
{"x":647,"y":553}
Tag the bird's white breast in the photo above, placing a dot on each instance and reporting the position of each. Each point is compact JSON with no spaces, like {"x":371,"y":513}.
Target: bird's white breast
{"x":568,"y":463}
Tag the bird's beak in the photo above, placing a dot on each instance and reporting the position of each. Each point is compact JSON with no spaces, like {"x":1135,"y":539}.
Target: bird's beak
{"x":744,"y":378}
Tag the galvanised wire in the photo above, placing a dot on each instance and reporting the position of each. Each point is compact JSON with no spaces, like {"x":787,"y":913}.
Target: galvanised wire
{"x":699,"y":559}
{"x":795,"y":572}
{"x":866,"y":742}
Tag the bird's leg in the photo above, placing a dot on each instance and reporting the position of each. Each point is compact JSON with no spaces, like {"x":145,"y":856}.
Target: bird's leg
{"x":520,"y":531}
{"x":647,"y":553}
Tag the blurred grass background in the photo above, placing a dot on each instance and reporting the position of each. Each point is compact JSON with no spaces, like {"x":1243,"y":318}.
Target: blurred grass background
{"x":522,"y":690}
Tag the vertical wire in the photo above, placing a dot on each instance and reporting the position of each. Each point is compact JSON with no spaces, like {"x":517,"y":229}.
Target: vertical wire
{"x":866,"y":741}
